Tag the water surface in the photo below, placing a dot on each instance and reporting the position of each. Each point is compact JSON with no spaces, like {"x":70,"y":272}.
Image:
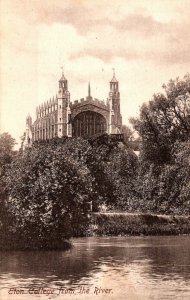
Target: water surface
{"x":100,"y":268}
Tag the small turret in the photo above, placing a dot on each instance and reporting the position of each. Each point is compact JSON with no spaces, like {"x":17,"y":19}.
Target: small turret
{"x":63,"y":83}
{"x":28,"y":133}
{"x":29,"y":121}
{"x":114,"y":104}
{"x":114,"y":84}
{"x":63,"y":104}
{"x":89,"y":97}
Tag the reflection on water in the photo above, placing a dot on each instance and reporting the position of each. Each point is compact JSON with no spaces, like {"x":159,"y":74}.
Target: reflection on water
{"x":133,"y":267}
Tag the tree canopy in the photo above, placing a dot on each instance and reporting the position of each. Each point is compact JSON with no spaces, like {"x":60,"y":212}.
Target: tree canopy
{"x":164,"y":120}
{"x":51,"y":186}
{"x":7,"y":143}
{"x":164,"y":130}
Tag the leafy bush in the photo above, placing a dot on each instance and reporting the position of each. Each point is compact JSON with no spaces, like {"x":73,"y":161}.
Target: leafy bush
{"x":48,"y":193}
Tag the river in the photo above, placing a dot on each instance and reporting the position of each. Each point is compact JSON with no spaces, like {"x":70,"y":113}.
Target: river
{"x":100,"y":268}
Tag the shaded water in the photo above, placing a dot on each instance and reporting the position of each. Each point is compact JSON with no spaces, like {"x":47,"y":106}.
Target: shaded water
{"x":100,"y":268}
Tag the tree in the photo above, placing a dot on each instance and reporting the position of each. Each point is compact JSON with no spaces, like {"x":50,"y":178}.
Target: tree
{"x":166,"y":188}
{"x":164,"y":129}
{"x":6,"y":150}
{"x":113,"y":166}
{"x":7,"y":155}
{"x":121,"y":171}
{"x":129,"y":138}
{"x":48,"y":194}
{"x":164,"y":120}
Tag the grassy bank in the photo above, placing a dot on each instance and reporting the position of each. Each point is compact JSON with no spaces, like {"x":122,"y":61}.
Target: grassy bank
{"x":120,"y":224}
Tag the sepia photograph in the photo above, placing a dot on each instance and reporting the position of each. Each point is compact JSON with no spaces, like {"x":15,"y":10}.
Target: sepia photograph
{"x":94,"y":150}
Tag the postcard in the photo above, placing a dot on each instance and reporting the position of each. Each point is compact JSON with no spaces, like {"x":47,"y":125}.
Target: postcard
{"x":94,"y":149}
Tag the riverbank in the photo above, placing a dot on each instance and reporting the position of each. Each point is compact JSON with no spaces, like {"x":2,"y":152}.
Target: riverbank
{"x":121,"y":224}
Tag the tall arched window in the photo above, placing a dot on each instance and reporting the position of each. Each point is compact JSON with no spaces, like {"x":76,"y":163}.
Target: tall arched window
{"x":87,"y":124}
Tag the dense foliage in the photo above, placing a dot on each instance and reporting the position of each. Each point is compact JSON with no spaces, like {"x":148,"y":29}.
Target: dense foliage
{"x":51,"y":186}
{"x":7,"y":154}
{"x":164,"y":164}
{"x":6,"y":150}
{"x":165,"y":120}
{"x":130,"y":140}
{"x":114,"y":167}
{"x":48,"y":190}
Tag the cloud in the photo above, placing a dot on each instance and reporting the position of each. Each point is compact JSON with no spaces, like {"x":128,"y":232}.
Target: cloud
{"x":105,"y":54}
{"x":136,"y":31}
{"x":139,"y":38}
{"x":147,"y":44}
{"x":140,"y":24}
{"x":80,"y":14}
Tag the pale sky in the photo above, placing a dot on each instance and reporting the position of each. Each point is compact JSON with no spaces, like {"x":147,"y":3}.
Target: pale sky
{"x":146,"y":41}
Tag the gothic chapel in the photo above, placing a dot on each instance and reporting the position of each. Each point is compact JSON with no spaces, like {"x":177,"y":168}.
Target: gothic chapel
{"x":86,"y":118}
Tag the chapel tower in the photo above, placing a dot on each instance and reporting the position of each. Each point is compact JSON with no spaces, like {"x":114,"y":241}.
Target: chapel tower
{"x":63,"y":116}
{"x":114,"y":102}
